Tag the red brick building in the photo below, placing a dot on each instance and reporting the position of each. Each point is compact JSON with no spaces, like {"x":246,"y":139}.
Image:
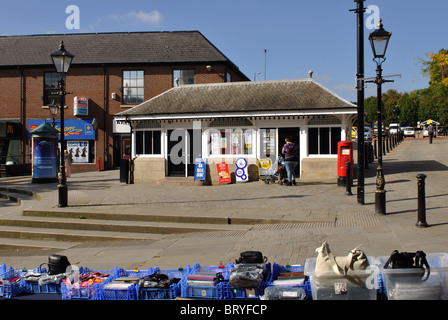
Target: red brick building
{"x":111,"y":72}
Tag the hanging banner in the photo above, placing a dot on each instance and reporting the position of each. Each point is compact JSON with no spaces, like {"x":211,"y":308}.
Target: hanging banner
{"x":223,"y":172}
{"x":200,"y":169}
{"x":241,"y":170}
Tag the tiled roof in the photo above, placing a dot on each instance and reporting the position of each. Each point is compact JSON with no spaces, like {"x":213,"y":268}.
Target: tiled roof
{"x":111,"y":48}
{"x":248,"y":96}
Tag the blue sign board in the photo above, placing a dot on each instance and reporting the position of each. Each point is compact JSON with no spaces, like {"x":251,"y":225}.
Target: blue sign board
{"x":44,"y":157}
{"x":200,"y":169}
{"x":75,"y":129}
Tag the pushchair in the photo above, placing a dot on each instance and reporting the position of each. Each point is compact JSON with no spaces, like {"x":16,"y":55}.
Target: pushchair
{"x":267,"y":170}
{"x":281,"y":171}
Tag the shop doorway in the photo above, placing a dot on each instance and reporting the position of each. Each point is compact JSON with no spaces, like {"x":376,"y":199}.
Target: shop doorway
{"x":289,"y":132}
{"x":183,"y":147}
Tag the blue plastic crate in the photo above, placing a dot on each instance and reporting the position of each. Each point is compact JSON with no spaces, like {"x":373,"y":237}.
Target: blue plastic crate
{"x":218,"y":291}
{"x":103,"y":292}
{"x":12,"y":283}
{"x":277,"y":269}
{"x":251,"y":292}
{"x":165,"y":293}
{"x":84,"y":292}
{"x":222,"y":269}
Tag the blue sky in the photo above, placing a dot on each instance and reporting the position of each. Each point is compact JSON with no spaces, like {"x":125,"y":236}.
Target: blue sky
{"x":298,"y":35}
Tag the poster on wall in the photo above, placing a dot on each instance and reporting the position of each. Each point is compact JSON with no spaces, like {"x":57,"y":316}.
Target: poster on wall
{"x":44,"y":157}
{"x":241,"y":170}
{"x":223,"y":172}
{"x":200,"y":169}
{"x":79,"y":150}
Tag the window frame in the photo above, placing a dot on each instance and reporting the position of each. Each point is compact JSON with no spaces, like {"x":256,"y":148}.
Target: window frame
{"x":48,"y":98}
{"x":140,"y":150}
{"x":331,"y":144}
{"x":180,"y":77}
{"x":139,"y":97}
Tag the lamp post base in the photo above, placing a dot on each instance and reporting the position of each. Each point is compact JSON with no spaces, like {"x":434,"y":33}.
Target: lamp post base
{"x":380,"y":201}
{"x":63,"y":198}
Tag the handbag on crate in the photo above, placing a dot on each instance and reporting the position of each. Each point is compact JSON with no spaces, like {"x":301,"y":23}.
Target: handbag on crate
{"x":409,"y":260}
{"x":251,"y":257}
{"x":348,"y":267}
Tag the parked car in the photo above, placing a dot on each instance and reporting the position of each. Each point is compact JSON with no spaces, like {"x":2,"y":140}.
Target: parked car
{"x":409,"y":132}
{"x":368,"y":134}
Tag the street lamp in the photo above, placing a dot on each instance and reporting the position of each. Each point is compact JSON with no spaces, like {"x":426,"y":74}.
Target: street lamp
{"x":379,"y":39}
{"x":53,"y":110}
{"x":62,"y":60}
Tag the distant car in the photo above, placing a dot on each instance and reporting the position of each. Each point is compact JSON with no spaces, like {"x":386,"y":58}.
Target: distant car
{"x":368,"y":134}
{"x":409,"y":132}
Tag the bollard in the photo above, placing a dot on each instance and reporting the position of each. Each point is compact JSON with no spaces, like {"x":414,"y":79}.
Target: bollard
{"x":348,"y":182}
{"x":421,"y":218}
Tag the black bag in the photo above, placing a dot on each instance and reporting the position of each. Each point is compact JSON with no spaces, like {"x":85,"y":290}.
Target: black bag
{"x":251,"y":257}
{"x":57,"y":264}
{"x":406,"y":260}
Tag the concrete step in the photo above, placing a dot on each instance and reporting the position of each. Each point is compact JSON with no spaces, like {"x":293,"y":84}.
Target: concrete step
{"x":117,"y":225}
{"x":64,"y":235}
{"x":14,"y":243}
{"x":181,"y":181}
{"x":154,"y":214}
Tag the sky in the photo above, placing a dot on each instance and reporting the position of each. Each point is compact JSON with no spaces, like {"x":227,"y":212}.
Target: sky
{"x":267,"y":40}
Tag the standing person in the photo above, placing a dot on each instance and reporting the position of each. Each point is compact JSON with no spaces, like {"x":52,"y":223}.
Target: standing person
{"x":68,"y":162}
{"x":290,"y":150}
{"x":430,"y":133}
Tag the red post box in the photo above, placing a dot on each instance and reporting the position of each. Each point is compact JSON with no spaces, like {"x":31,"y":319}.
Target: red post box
{"x":345,"y":154}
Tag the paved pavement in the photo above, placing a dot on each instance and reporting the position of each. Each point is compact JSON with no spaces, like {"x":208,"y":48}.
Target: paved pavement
{"x":311,"y":213}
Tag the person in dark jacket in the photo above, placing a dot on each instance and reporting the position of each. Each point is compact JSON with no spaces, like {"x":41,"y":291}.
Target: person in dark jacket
{"x":290,"y":151}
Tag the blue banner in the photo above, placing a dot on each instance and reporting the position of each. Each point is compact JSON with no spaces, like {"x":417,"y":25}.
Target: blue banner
{"x":75,"y":129}
{"x":44,"y":157}
{"x":200,"y":169}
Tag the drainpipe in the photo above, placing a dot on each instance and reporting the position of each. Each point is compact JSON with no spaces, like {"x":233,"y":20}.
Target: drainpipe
{"x":105,"y":117}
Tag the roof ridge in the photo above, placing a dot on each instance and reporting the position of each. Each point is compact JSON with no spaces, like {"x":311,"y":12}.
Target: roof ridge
{"x":97,"y":33}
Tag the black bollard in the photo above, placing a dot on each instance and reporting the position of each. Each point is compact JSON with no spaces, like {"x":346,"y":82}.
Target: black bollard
{"x":348,"y":182}
{"x":421,"y":219}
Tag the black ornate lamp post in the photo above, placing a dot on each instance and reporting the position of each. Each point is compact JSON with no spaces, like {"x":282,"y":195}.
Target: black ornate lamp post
{"x":62,"y":60}
{"x":379,"y":40}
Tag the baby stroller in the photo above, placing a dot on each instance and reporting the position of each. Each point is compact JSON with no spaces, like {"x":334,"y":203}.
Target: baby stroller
{"x":281,"y":171}
{"x":267,"y":170}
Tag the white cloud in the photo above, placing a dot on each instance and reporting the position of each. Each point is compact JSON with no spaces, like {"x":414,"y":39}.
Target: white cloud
{"x":153,"y":17}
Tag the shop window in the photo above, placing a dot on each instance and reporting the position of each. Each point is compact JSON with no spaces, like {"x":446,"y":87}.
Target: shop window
{"x":82,"y":151}
{"x":268,"y":143}
{"x":148,"y":142}
{"x":133,"y":86}
{"x":231,"y":141}
{"x":51,"y":87}
{"x":183,"y":77}
{"x":323,"y":140}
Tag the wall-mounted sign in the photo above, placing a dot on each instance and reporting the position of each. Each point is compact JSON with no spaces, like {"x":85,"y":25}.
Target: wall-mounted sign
{"x":81,"y":106}
{"x":75,"y":129}
{"x":223,"y":172}
{"x":241,"y":170}
{"x":200,"y":169}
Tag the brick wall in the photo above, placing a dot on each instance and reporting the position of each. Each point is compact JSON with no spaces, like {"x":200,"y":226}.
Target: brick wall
{"x":96,"y":83}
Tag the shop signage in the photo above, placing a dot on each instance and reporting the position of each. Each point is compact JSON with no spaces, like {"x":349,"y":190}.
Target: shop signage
{"x":79,"y":150}
{"x":81,"y":106}
{"x":75,"y":129}
{"x":200,"y":169}
{"x":223,"y":172}
{"x":241,"y":170}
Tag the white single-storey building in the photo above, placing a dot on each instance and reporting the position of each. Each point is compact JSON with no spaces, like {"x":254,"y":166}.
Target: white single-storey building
{"x":227,"y":121}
